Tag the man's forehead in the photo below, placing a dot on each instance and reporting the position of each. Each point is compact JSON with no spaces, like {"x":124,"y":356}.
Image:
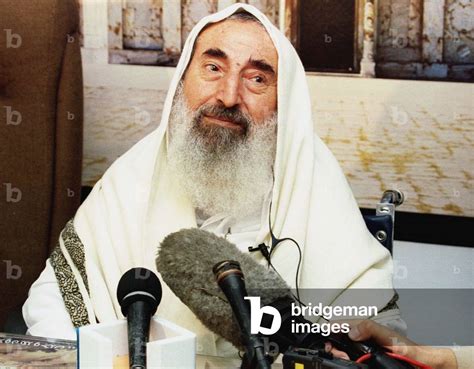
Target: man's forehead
{"x":238,"y":39}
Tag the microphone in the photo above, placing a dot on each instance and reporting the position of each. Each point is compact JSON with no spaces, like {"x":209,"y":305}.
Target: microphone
{"x":230,"y":279}
{"x":139,"y":294}
{"x":186,"y":259}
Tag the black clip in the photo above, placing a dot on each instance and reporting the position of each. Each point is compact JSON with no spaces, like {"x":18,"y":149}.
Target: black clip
{"x":263,"y":249}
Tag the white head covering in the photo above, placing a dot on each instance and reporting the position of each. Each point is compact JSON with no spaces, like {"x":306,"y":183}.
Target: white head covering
{"x":135,"y":205}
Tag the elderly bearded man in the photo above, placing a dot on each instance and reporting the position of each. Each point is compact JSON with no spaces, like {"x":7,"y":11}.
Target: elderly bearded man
{"x":236,"y":136}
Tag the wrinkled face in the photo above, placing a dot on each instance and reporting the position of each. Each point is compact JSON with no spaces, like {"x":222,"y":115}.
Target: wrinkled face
{"x":223,"y":121}
{"x":232,"y":77}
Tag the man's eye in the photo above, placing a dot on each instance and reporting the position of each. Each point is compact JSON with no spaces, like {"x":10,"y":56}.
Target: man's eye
{"x":258,"y":79}
{"x":212,"y":67}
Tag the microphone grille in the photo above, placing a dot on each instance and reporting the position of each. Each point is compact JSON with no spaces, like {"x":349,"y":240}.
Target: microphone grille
{"x":139,"y":284}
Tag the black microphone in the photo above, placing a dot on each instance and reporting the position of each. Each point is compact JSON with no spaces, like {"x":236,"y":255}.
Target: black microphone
{"x":230,"y":279}
{"x":139,"y":294}
{"x":185,"y":261}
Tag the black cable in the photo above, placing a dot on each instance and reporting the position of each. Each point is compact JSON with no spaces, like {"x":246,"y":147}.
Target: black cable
{"x":274,"y":243}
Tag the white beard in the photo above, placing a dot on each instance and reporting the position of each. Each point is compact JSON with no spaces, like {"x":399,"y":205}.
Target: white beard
{"x":221,"y":171}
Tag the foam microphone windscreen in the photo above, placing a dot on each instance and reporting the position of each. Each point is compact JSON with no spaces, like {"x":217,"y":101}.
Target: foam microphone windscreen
{"x":185,"y":261}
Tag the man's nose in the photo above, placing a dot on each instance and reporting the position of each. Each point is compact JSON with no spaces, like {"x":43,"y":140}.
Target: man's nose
{"x":229,"y":91}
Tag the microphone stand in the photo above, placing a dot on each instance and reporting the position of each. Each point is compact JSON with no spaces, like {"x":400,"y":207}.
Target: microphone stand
{"x":255,"y":357}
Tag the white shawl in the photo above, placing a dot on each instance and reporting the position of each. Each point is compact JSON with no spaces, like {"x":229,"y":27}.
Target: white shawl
{"x":135,"y":205}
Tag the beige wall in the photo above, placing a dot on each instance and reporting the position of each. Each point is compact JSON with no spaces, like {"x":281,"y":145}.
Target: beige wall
{"x":415,"y":136}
